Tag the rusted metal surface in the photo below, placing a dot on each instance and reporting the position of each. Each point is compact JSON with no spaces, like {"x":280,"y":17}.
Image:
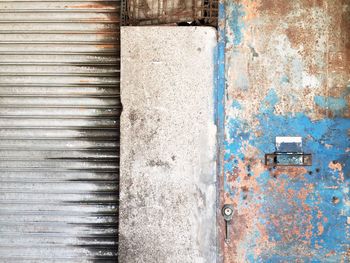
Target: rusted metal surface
{"x":287,"y":73}
{"x":59,"y":130}
{"x":153,"y":12}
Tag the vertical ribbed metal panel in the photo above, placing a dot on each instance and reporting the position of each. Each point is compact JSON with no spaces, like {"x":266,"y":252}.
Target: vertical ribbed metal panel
{"x":59,"y":130}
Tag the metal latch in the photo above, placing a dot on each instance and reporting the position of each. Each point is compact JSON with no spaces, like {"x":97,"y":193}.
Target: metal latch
{"x":288,"y":152}
{"x":227,"y":212}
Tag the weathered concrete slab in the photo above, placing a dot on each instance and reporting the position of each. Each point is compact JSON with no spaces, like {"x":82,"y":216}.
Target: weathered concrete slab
{"x":167,"y":184}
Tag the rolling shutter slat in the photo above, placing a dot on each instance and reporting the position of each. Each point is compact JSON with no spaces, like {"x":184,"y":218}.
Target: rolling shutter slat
{"x":59,"y":130}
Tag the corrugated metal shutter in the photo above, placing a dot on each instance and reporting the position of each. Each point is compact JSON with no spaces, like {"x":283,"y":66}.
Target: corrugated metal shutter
{"x":59,"y":130}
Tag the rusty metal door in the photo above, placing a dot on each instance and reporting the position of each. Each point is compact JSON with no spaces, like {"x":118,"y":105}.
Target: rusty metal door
{"x":59,"y":138}
{"x":284,"y":108}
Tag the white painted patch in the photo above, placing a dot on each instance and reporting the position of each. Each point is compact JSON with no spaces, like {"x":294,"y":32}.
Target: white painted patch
{"x":310,"y":80}
{"x":288,"y":139}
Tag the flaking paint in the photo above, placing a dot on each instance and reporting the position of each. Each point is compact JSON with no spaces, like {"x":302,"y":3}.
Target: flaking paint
{"x":286,"y":74}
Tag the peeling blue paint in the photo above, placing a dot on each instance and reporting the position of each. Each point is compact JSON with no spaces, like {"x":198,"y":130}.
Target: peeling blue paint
{"x":220,"y":77}
{"x":236,"y":105}
{"x":318,"y":136}
{"x":286,"y":214}
{"x":336,"y":105}
{"x":220,"y":100}
{"x":236,"y":23}
{"x":327,"y":141}
{"x":284,"y":79}
{"x":268,"y":104}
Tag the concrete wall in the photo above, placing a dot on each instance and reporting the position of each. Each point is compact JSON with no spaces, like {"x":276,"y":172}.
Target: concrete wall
{"x":287,"y":74}
{"x":167,"y":184}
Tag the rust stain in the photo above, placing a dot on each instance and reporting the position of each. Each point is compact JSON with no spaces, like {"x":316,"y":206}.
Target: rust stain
{"x":343,"y":20}
{"x":304,"y":39}
{"x":320,"y":228}
{"x":312,"y":3}
{"x":330,"y":253}
{"x":251,"y":9}
{"x":106,"y":46}
{"x":337,"y":167}
{"x":103,"y":20}
{"x":302,"y":54}
{"x":335,"y":200}
{"x":296,"y":36}
{"x":92,"y":6}
{"x":243,"y":182}
{"x":292,"y":172}
{"x":293,"y":227}
{"x":275,"y":7}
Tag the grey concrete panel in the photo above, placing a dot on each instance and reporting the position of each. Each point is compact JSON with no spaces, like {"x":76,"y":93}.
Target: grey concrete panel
{"x":168,"y":145}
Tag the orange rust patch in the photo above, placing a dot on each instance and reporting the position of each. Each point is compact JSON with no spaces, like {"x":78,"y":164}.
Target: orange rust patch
{"x":275,"y":7}
{"x":247,"y":209}
{"x":295,"y":225}
{"x":264,"y":239}
{"x":312,"y":3}
{"x":304,"y":38}
{"x":291,"y":192}
{"x":335,"y":200}
{"x":107,"y":46}
{"x":303,"y":193}
{"x":251,"y":9}
{"x":314,"y":69}
{"x":320,"y":228}
{"x":293,"y":172}
{"x":336,"y":166}
{"x":245,"y":189}
{"x":317,"y":246}
{"x":103,"y":20}
{"x":91,"y":6}
{"x":337,"y":60}
{"x":330,"y":253}
{"x":308,"y":232}
{"x":345,"y":33}
{"x":247,"y":182}
{"x":296,"y":36}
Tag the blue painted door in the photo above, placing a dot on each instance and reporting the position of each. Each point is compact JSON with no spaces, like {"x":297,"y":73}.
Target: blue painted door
{"x":285,"y":72}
